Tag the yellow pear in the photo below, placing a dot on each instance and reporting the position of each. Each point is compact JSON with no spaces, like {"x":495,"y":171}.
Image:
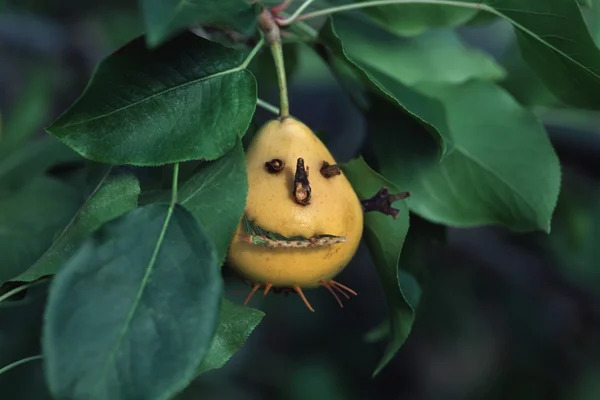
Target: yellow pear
{"x":296,"y":192}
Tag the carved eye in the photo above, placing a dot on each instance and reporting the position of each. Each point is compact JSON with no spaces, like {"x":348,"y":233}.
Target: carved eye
{"x":328,"y":170}
{"x":274,"y":166}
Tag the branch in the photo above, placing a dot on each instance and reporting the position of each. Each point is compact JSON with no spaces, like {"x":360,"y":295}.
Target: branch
{"x":382,"y":202}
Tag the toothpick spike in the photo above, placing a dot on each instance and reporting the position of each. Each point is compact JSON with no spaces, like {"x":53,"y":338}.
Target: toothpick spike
{"x":344,"y":287}
{"x":340,"y":291}
{"x":267,"y":288}
{"x":254,"y":289}
{"x":332,"y":292}
{"x":301,"y":294}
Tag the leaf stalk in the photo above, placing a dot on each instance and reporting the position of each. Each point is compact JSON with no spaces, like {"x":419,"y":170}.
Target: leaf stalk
{"x":252,"y":53}
{"x":267,"y":106}
{"x":19,"y":362}
{"x":296,"y":14}
{"x":22,"y":288}
{"x":356,"y":6}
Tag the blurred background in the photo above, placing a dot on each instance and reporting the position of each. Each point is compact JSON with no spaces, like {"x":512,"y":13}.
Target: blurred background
{"x":500,"y":316}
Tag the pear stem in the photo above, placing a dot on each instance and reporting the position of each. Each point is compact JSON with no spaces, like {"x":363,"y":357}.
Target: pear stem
{"x":273,"y":37}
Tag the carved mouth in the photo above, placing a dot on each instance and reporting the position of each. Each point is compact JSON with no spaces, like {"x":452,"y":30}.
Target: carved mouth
{"x":261,"y":237}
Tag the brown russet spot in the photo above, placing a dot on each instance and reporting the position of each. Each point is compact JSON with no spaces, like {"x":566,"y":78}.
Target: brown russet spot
{"x":274,"y":166}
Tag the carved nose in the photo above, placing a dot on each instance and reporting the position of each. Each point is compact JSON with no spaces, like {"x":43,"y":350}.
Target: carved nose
{"x":301,"y":191}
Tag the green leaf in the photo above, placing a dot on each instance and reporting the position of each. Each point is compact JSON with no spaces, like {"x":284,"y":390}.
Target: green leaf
{"x":164,"y":18}
{"x":552,"y":35}
{"x":24,"y":164}
{"x":428,"y":112}
{"x":436,"y":56}
{"x":412,"y":292}
{"x":385,"y":237}
{"x":503,"y":169}
{"x":133,"y":312}
{"x":421,"y":238}
{"x":29,"y":113}
{"x":410,"y":287}
{"x":29,"y":219}
{"x":584,"y":3}
{"x":522,"y":82}
{"x":216,"y":196}
{"x":556,"y":43}
{"x":414,"y":19}
{"x":592,"y":16}
{"x":113,"y":197}
{"x":187,"y":100}
{"x":482,"y":19}
{"x":236,"y":323}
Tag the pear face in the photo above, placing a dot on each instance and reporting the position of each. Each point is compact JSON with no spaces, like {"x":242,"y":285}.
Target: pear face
{"x":281,"y":201}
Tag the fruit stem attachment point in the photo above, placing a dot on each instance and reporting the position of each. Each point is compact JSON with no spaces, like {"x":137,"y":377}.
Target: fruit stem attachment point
{"x":382,"y":202}
{"x":273,"y":37}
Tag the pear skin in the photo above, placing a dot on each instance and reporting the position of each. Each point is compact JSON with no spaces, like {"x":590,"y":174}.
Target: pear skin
{"x":332,"y":208}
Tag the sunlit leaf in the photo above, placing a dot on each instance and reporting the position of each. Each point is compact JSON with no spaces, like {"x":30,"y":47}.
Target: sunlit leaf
{"x":187,"y":100}
{"x":428,"y":112}
{"x":436,"y":56}
{"x":414,"y":19}
{"x":552,"y":35}
{"x":503,"y":169}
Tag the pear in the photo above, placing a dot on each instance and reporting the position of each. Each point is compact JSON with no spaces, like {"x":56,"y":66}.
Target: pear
{"x":297,"y":193}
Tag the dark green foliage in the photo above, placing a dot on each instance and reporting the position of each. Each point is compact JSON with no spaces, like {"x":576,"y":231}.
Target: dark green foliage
{"x":157,"y":269}
{"x":385,"y":237}
{"x":114,"y":196}
{"x":187,"y":100}
{"x":137,"y":307}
